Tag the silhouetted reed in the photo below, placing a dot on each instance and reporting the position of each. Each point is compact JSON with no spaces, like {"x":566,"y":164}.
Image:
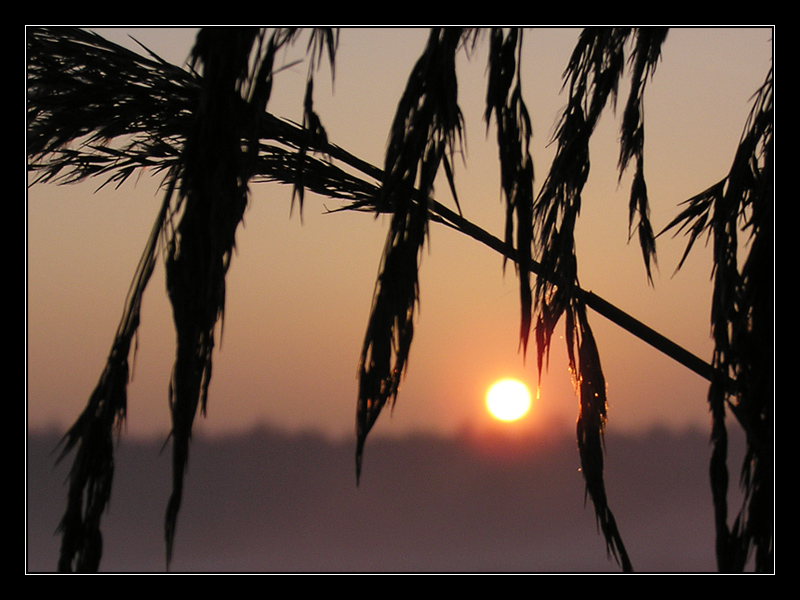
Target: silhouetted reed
{"x":96,"y":109}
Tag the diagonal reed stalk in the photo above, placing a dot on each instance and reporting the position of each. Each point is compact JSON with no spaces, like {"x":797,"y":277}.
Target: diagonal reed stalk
{"x":279,"y":140}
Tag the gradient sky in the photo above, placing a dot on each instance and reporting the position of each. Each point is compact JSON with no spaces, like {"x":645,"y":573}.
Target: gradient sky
{"x":299,"y":292}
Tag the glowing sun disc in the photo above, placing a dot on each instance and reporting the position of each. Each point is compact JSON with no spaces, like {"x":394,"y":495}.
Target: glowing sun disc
{"x":508,"y":400}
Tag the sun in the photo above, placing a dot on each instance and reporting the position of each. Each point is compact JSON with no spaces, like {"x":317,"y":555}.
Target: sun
{"x":508,"y":400}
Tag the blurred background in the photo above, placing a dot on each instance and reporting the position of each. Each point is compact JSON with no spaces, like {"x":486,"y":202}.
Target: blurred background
{"x":282,"y":399}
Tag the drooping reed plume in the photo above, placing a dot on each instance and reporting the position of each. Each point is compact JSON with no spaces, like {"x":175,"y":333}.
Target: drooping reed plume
{"x":204,"y":127}
{"x":742,"y":326}
{"x":592,"y":78}
{"x":514,"y":132}
{"x":426,"y":129}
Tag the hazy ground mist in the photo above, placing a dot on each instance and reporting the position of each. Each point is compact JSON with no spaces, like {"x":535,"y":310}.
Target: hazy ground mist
{"x":270,"y":501}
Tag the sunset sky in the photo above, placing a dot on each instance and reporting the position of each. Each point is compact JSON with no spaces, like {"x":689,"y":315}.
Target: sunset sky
{"x":299,"y":291}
